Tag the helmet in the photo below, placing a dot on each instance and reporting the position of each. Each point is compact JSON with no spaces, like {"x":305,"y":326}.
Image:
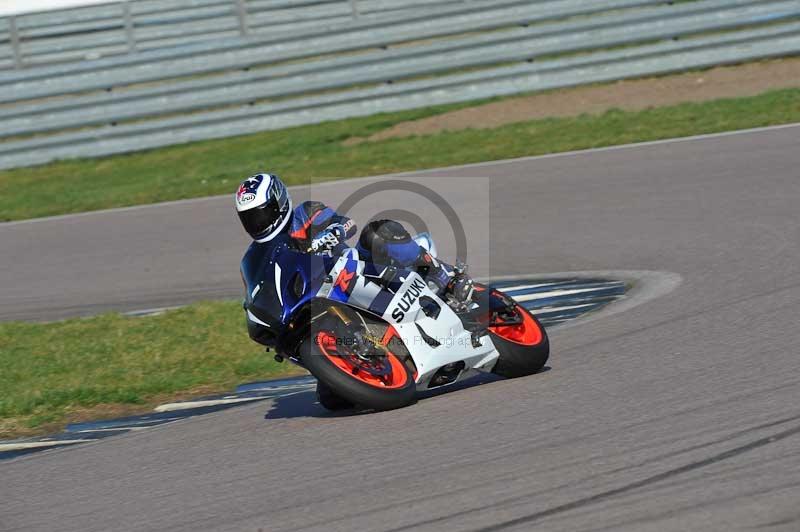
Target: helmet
{"x":387,"y":242}
{"x":264,"y":206}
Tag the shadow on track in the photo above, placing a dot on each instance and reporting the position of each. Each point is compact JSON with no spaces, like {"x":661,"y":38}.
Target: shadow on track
{"x":305,"y":404}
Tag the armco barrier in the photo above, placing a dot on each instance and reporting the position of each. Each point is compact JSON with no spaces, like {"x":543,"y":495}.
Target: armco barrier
{"x":128,"y":27}
{"x":257,"y":83}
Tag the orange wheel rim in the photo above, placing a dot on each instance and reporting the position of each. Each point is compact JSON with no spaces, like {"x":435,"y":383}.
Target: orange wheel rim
{"x":387,"y":373}
{"x":527,"y":332}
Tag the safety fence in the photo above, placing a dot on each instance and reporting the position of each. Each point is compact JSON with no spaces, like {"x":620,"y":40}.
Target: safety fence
{"x":439,"y":52}
{"x":128,"y":27}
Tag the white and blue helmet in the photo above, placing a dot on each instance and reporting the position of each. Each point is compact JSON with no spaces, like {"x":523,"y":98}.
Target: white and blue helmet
{"x":264,"y":206}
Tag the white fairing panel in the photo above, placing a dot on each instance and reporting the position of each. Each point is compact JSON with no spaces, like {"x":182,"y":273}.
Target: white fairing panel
{"x":405,"y":314}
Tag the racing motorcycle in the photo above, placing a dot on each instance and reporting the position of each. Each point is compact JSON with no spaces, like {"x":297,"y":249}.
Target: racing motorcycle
{"x":374,"y":335}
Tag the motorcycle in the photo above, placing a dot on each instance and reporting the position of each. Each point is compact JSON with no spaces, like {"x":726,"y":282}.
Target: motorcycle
{"x":373,"y":336}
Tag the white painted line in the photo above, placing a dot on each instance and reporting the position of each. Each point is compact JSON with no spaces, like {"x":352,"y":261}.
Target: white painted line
{"x":150,"y":311}
{"x":256,"y":387}
{"x":554,"y":293}
{"x":22,"y":446}
{"x":520,"y":287}
{"x":549,"y":310}
{"x":122,"y":427}
{"x":279,"y":388}
{"x":171,"y":407}
{"x":339,"y":182}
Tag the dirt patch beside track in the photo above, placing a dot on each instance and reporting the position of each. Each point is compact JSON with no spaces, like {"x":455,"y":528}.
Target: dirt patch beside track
{"x":722,"y":82}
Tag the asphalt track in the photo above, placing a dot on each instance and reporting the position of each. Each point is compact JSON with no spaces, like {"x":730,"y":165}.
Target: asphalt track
{"x":678,"y":414}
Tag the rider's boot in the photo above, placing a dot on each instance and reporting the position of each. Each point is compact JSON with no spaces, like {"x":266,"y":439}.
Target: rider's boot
{"x":460,"y":288}
{"x":452,"y":285}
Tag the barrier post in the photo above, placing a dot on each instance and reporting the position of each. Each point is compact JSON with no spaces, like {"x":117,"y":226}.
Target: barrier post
{"x":15,"y":47}
{"x":130,"y":37}
{"x":354,"y":7}
{"x":241,"y":14}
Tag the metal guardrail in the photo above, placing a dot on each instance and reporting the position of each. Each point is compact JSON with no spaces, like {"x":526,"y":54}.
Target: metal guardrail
{"x":377,"y":67}
{"x":128,"y":27}
{"x":203,"y":59}
{"x":532,"y":47}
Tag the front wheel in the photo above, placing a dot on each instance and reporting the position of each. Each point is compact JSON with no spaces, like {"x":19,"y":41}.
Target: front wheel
{"x":519,"y":337}
{"x":378,"y":381}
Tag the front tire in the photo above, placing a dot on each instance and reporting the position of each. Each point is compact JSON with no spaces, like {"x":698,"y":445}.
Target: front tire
{"x":524,"y":348}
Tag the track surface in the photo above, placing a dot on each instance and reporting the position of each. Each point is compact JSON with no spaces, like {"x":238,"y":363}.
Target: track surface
{"x":681,"y":414}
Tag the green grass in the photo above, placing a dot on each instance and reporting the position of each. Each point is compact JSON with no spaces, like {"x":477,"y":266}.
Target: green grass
{"x":317,"y":153}
{"x":113,"y":365}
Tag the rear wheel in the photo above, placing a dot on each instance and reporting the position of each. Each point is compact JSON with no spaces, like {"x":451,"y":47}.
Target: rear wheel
{"x":518,"y":336}
{"x":372,"y":377}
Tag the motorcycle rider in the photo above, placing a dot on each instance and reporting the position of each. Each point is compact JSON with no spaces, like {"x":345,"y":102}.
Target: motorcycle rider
{"x":265,"y":209}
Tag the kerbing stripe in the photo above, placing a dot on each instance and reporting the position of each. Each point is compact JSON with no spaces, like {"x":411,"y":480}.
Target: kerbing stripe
{"x":21,"y":446}
{"x":553,"y":310}
{"x":558,"y":293}
{"x":171,"y":407}
{"x":523,"y":287}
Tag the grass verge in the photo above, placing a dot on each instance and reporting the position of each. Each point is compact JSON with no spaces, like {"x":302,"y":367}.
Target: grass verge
{"x":317,"y":153}
{"x":113,"y":365}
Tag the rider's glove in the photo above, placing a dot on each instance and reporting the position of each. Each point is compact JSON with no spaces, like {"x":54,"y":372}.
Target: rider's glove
{"x":328,"y":239}
{"x":339,"y":230}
